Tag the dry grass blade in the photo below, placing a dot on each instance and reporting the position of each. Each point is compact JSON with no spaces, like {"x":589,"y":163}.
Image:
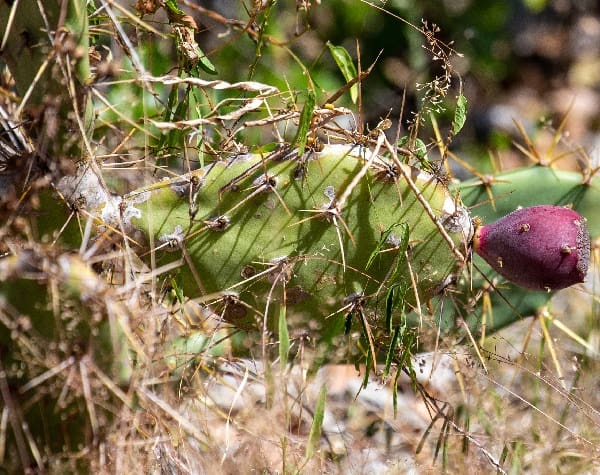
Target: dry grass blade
{"x":171,"y":412}
{"x":543,"y":413}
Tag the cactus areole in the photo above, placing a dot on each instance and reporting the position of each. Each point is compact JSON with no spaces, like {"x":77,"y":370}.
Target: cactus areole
{"x":539,"y":248}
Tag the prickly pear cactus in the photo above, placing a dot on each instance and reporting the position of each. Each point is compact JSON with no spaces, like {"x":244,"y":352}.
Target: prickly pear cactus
{"x":324,"y":236}
{"x":314,"y":242}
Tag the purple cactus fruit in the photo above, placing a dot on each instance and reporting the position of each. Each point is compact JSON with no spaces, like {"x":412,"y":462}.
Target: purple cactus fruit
{"x":539,"y":248}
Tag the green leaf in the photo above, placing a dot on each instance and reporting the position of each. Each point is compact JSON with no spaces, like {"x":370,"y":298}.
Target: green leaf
{"x":395,"y":391}
{"x":389,"y":307}
{"x":314,"y":437}
{"x":346,"y":65}
{"x":460,"y":114}
{"x":419,"y":149}
{"x":395,"y":300}
{"x":305,"y":119}
{"x":368,"y":364}
{"x":284,"y":338}
{"x":390,"y":353}
{"x":416,"y":146}
{"x":177,"y":290}
{"x":204,"y":63}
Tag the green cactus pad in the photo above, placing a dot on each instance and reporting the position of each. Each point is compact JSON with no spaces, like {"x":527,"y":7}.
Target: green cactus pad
{"x":266,"y":232}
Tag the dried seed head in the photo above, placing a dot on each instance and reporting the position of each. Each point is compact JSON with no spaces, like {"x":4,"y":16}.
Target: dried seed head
{"x":539,"y":248}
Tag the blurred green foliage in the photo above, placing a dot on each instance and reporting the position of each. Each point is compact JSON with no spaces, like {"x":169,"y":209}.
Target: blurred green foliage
{"x":285,"y":44}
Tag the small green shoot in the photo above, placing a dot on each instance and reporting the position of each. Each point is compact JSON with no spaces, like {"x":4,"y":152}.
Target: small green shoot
{"x":259,"y":38}
{"x":462,"y":413}
{"x":368,"y":334}
{"x":284,"y":338}
{"x":314,"y":436}
{"x":391,"y":302}
{"x":408,"y":339}
{"x":426,"y":433}
{"x":402,"y":247}
{"x":443,"y":438}
{"x":394,"y":299}
{"x":390,"y":353}
{"x":389,"y":307}
{"x":442,"y":443}
{"x":503,"y":455}
{"x":367,"y":366}
{"x":177,"y":290}
{"x":305,"y":120}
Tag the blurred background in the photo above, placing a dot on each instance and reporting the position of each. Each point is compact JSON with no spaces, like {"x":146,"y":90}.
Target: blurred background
{"x":536,"y":62}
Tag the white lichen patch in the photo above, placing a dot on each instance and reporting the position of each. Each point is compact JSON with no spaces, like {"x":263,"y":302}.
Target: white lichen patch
{"x":393,"y":240}
{"x":86,"y":190}
{"x":266,"y":181}
{"x":329,"y":193}
{"x":455,"y":219}
{"x":172,"y":241}
{"x":130,"y":210}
